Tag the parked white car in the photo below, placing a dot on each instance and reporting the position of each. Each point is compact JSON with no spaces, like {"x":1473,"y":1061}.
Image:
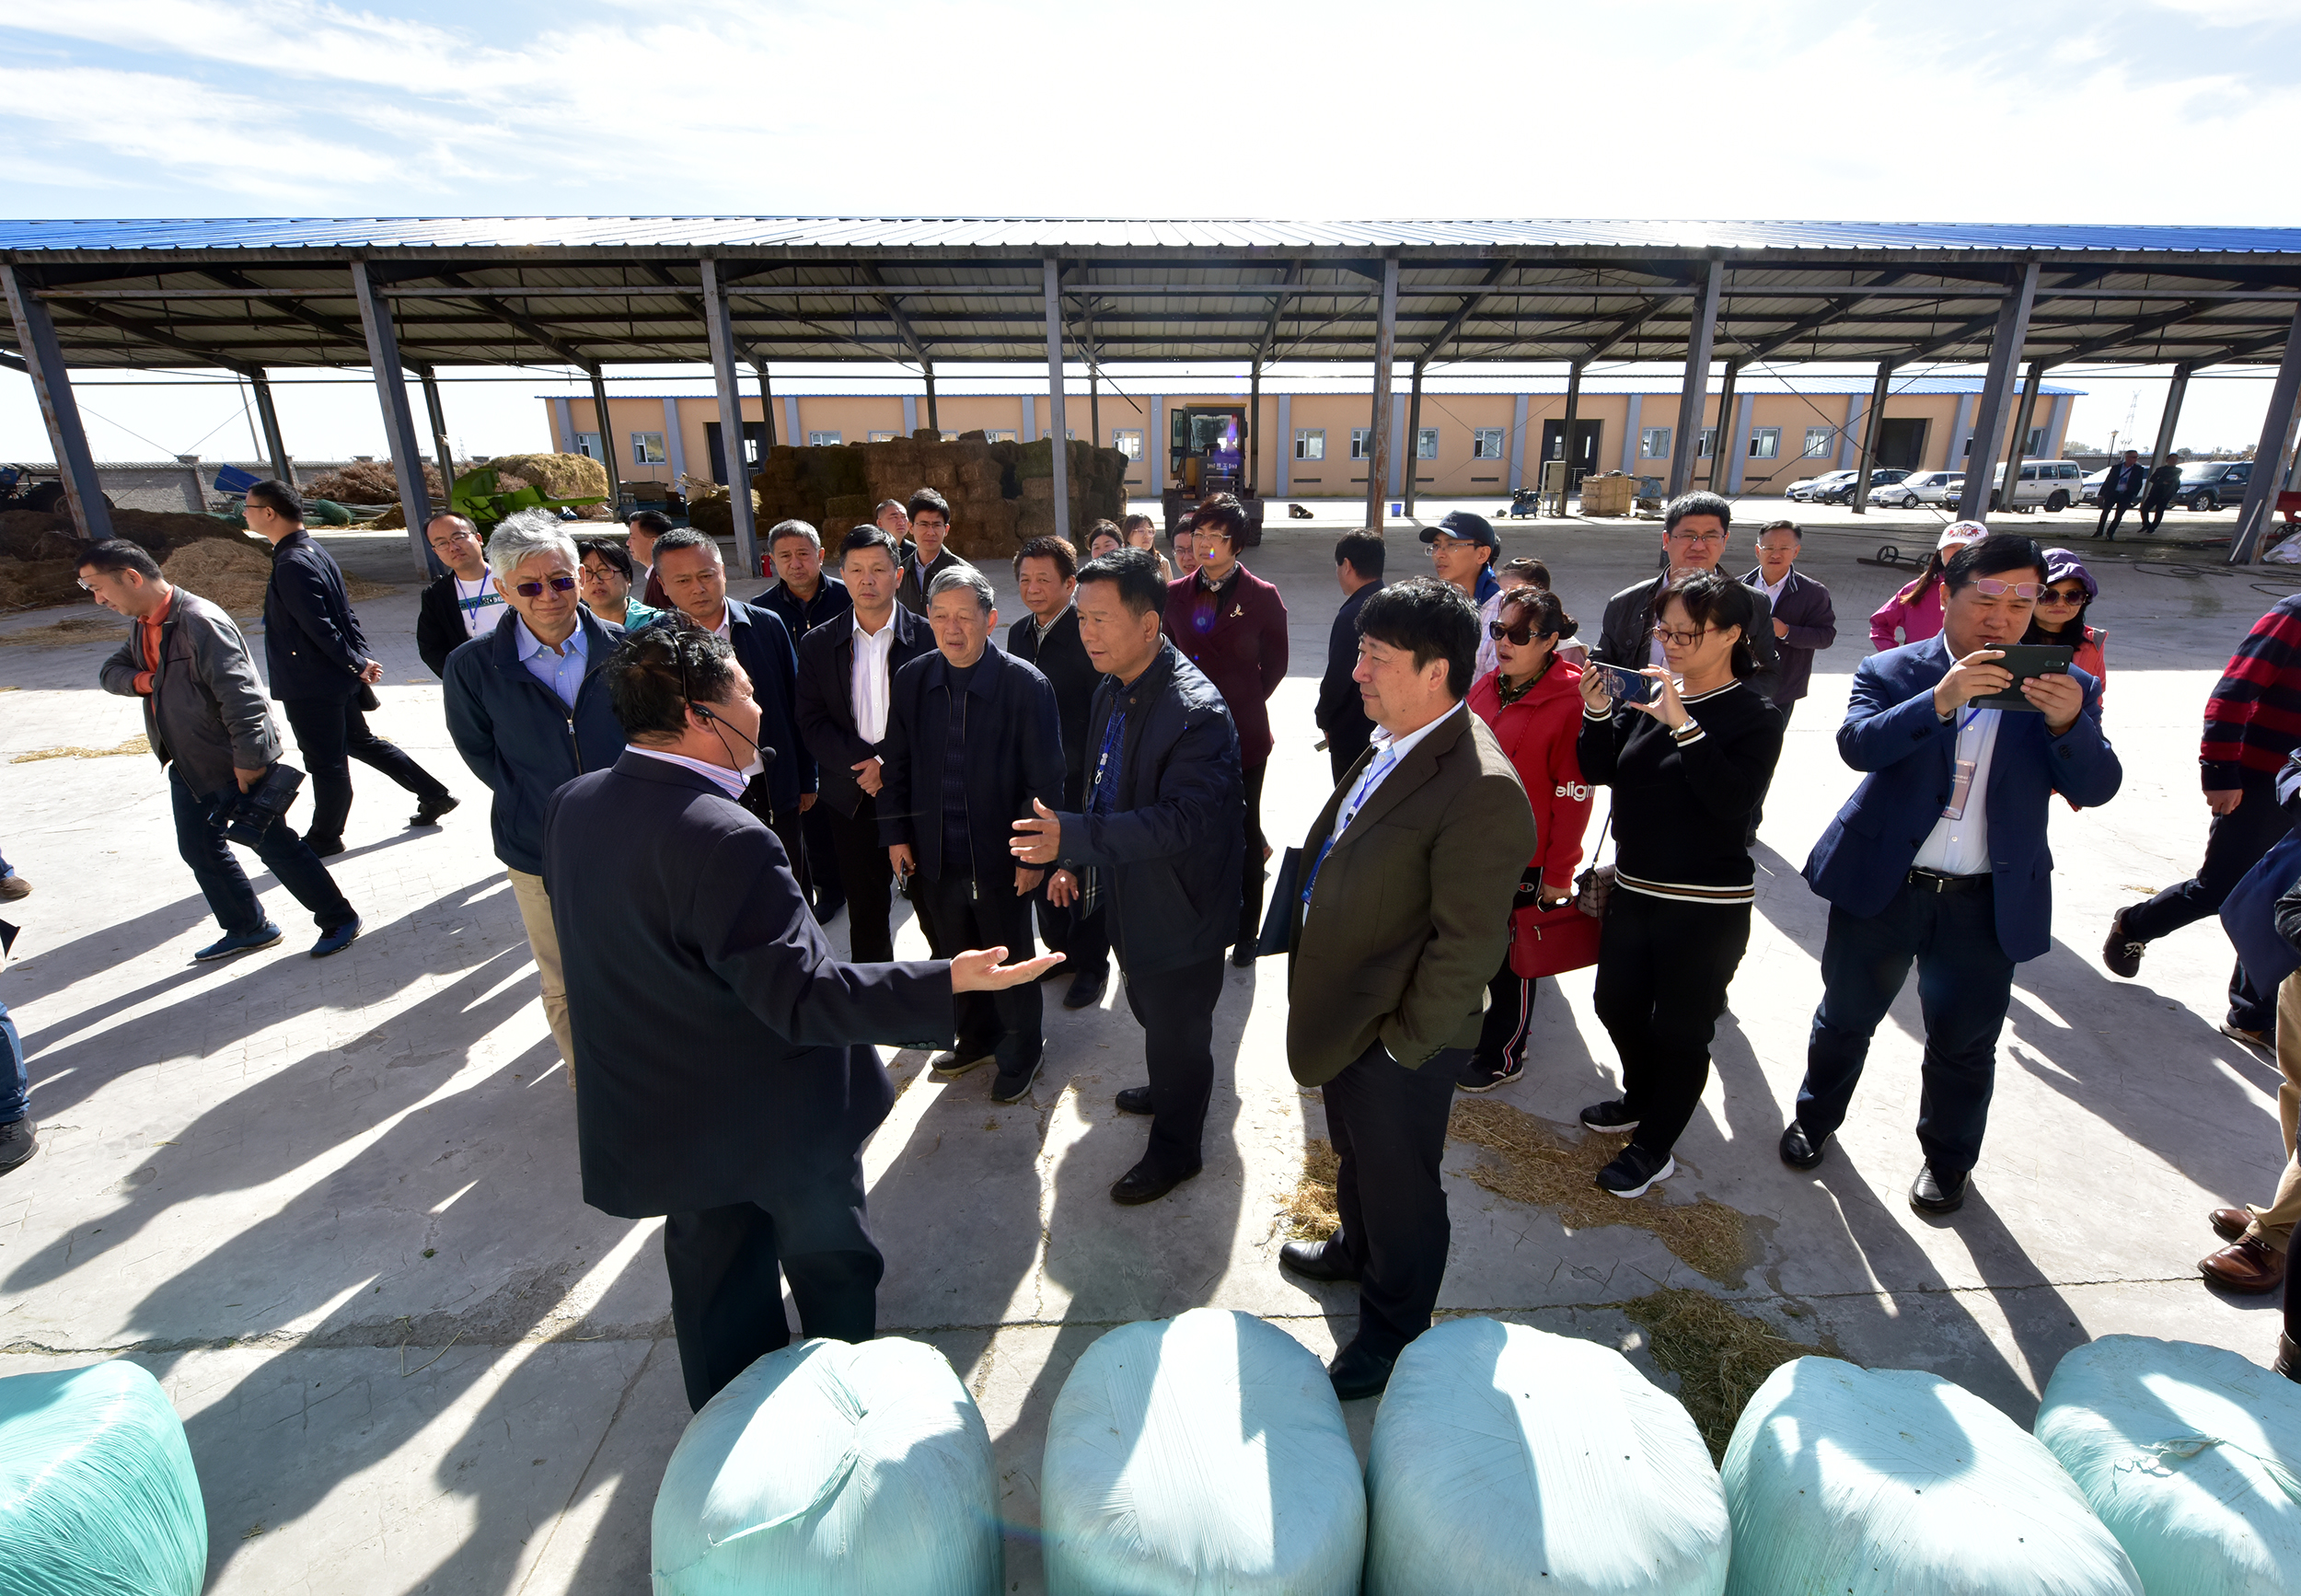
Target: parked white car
{"x":1919,"y":488}
{"x":2051,"y":485}
{"x":1807,"y":489}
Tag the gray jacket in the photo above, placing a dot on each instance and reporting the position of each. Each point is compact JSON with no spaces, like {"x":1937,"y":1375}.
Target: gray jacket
{"x":206,"y":710}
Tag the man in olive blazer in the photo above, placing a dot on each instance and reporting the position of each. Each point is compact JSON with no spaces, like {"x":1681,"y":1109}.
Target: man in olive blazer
{"x":1401,"y":916}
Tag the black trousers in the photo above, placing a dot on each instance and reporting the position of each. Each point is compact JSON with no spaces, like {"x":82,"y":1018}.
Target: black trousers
{"x":1083,"y":940}
{"x":2234,"y":844}
{"x":330,"y":735}
{"x":1008,"y":1024}
{"x":200,"y":842}
{"x":1509,"y":1012}
{"x":823,"y":861}
{"x":1388,"y":1125}
{"x":1175,"y":1008}
{"x":866,"y":878}
{"x":1757,"y":810}
{"x":1663,"y":968}
{"x":2153,"y":509}
{"x":1250,"y":911}
{"x":726,"y":1266}
{"x":2111,"y":518}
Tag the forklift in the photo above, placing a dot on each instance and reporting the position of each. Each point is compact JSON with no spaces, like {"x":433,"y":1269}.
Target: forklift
{"x":1207,"y":453}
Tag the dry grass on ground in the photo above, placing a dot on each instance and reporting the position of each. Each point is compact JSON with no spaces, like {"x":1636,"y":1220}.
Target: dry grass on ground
{"x":1720,"y":1355}
{"x":1534,"y":1163}
{"x":103,"y":625}
{"x":136,"y":745}
{"x":1310,"y":1208}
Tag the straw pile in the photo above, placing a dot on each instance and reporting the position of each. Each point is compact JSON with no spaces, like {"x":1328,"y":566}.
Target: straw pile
{"x":1720,"y":1355}
{"x":554,"y":476}
{"x":370,"y":482}
{"x":136,"y":745}
{"x":230,"y":575}
{"x":1309,"y":1209}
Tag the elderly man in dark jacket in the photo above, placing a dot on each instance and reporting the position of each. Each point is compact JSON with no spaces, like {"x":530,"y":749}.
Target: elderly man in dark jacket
{"x":528,"y":712}
{"x":1156,"y":848}
{"x":972,"y":742}
{"x":1695,"y":528}
{"x":204,"y":716}
{"x":320,"y":672}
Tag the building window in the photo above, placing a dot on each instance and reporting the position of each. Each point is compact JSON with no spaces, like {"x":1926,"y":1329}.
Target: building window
{"x":647,"y":449}
{"x":1425,"y":444}
{"x":1765,"y":444}
{"x":1362,"y":444}
{"x":821,"y":440}
{"x":1708,"y":445}
{"x":1654,"y":444}
{"x":1310,"y":442}
{"x":1821,"y":442}
{"x":999,"y":434}
{"x":883,"y":438}
{"x":2037,"y":442}
{"x":1486,"y":442}
{"x":1127,"y":441}
{"x":587,"y":445}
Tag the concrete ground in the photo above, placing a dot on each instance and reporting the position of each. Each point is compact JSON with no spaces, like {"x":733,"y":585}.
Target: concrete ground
{"x":334,"y":1206}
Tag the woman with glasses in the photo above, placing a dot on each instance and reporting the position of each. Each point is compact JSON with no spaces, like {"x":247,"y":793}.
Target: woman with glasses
{"x":606,"y":576}
{"x":1140,"y":533}
{"x":2060,"y":615}
{"x":1913,"y":614}
{"x":1532,"y":702}
{"x":1687,"y":768}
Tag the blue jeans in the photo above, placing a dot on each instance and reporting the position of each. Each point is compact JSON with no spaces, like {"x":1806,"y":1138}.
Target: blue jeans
{"x":1964,"y":982}
{"x":224,"y":885}
{"x":15,"y":1082}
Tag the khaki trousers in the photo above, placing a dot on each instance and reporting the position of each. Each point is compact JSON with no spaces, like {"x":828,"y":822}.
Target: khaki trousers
{"x":2274,"y":1223}
{"x":543,"y":940}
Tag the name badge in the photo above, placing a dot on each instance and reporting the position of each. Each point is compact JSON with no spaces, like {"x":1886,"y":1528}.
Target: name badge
{"x":1961,"y":787}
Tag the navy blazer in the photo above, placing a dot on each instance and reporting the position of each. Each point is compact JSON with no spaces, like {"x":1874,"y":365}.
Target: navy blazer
{"x":718,"y":1048}
{"x":312,"y":645}
{"x":1014,"y":754}
{"x":1812,"y":619}
{"x":762,"y":645}
{"x":1062,"y":659}
{"x":1892,"y":731}
{"x":827,"y":701}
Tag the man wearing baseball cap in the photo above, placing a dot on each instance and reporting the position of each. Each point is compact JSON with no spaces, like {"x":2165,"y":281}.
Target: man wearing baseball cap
{"x":1464,"y":552}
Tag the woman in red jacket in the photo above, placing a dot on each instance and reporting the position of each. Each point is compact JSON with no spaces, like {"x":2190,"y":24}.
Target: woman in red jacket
{"x":1534,"y":703}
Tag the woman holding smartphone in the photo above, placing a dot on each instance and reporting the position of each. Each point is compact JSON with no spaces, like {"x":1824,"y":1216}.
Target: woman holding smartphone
{"x":1686,"y":769}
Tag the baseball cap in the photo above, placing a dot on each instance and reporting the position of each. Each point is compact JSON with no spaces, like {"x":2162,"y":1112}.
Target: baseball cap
{"x":1958,"y":534}
{"x":1464,"y":525}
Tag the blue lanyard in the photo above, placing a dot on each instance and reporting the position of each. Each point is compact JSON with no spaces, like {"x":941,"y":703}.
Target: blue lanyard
{"x":1348,"y":813}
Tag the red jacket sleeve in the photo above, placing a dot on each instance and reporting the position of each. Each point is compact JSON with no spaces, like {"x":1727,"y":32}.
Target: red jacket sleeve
{"x":1558,"y":842}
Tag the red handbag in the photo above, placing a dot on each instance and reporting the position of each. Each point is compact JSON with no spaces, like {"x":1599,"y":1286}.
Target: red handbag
{"x":1551,"y":942}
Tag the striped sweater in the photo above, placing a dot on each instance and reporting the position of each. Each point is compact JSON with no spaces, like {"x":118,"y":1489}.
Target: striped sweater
{"x":1682,"y":801}
{"x":2253,"y":720}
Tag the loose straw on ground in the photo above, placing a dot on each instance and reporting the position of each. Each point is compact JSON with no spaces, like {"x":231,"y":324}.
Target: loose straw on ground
{"x":1720,"y":1355}
{"x":136,"y":745}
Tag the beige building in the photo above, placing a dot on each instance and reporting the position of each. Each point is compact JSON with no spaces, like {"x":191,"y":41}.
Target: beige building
{"x":1477,"y":436}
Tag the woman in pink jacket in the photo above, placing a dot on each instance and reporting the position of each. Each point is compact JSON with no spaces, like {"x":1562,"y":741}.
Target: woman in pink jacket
{"x":1533,"y":701}
{"x":1913,"y":614}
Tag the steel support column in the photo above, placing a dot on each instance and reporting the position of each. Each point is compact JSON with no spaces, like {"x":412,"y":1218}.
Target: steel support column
{"x":2175,"y":392}
{"x":766,"y":408}
{"x":1565,"y":441}
{"x":400,"y":433}
{"x":1720,"y":480}
{"x":1094,"y":414}
{"x":2004,"y":356}
{"x":1517,"y":441}
{"x":268,"y":417}
{"x":2019,"y":445}
{"x":719,"y":328}
{"x":933,"y":420}
{"x":1254,"y":424}
{"x":1378,"y":430}
{"x":2269,"y":455}
{"x":43,"y":360}
{"x":1693,"y":395}
{"x":1058,"y":434}
{"x":606,"y":438}
{"x":1414,"y":438}
{"x":1872,"y":425}
{"x":436,"y":413}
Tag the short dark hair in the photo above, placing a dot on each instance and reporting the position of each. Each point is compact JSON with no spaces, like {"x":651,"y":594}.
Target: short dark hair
{"x":1988,"y":556}
{"x":927,"y":499}
{"x":655,"y":523}
{"x":1791,"y":528}
{"x":782,"y":529}
{"x":1220,"y":513}
{"x":660,"y":670}
{"x":1128,"y":524}
{"x":1533,"y":569}
{"x":278,"y":496}
{"x":1546,"y":608}
{"x":1186,"y":522}
{"x":680,"y":537}
{"x":1714,"y":599}
{"x":870,"y":535}
{"x":1430,"y":618}
{"x":1697,"y":503}
{"x":609,"y":549}
{"x":1363,"y":553}
{"x":1136,"y":573}
{"x":1050,"y":546}
{"x":114,"y":555}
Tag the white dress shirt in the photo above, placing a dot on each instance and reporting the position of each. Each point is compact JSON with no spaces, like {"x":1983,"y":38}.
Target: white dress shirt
{"x":1773,"y":590}
{"x":731,"y":782}
{"x":868,"y":687}
{"x":482,"y":607}
{"x":1388,"y":755}
{"x":1960,"y":845}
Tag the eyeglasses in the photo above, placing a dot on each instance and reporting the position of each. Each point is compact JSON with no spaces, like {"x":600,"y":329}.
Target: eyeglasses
{"x":1520,"y":635}
{"x":1681,"y":639}
{"x":535,"y":589}
{"x":2058,"y":595}
{"x":1698,"y":536}
{"x":457,"y":536}
{"x":1994,"y":588}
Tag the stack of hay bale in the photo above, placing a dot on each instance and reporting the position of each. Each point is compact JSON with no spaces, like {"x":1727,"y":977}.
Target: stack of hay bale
{"x":40,"y":553}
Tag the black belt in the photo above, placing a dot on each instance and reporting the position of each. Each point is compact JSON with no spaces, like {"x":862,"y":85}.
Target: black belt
{"x":1934,"y":881}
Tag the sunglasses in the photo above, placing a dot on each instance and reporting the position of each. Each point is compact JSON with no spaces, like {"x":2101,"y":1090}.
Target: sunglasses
{"x":1994,"y":588}
{"x":535,"y":589}
{"x":2062,"y":596}
{"x":1520,"y":635}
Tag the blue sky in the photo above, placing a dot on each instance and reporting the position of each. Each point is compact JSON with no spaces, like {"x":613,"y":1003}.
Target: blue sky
{"x":2180,"y":110}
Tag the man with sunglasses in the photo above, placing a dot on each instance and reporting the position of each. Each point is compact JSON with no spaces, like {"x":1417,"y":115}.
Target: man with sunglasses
{"x":528,"y":711}
{"x":1940,"y":858}
{"x":1695,"y":530}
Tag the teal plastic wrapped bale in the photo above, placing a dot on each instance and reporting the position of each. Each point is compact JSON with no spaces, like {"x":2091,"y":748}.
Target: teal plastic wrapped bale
{"x":1198,"y":1454}
{"x":97,"y":1497}
{"x":2192,"y":1456}
{"x":1890,"y":1482}
{"x":1513,"y":1459}
{"x":827,"y":1469}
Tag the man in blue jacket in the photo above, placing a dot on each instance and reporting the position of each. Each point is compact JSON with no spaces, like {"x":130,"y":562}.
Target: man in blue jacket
{"x":1940,"y":857}
{"x":528,"y":711}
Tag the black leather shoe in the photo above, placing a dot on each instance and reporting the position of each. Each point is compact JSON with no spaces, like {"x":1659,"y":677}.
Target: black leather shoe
{"x":428,"y":812}
{"x":325,"y":847}
{"x":1086,"y":990}
{"x":2288,"y":1358}
{"x":1317,"y":1261}
{"x":1242,"y":956}
{"x":1935,"y":1193}
{"x":19,"y":1141}
{"x":1143,"y":1184}
{"x":1136,"y":1100}
{"x":956,"y":1061}
{"x":1798,"y":1152}
{"x":1358,"y":1370}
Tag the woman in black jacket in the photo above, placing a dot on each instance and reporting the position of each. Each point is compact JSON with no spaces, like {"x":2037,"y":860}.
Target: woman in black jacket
{"x":1686,"y":769}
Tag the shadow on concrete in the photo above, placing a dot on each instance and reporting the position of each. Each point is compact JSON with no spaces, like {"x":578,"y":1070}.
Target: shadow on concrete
{"x":44,"y":970}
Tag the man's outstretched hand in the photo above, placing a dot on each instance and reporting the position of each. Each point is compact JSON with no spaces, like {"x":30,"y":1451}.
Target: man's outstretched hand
{"x":978,"y":970}
{"x":1038,"y":840}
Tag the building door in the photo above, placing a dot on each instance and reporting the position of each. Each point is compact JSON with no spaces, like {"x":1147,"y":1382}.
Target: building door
{"x":1587,"y":434}
{"x":1902,"y":442}
{"x":754,"y":442}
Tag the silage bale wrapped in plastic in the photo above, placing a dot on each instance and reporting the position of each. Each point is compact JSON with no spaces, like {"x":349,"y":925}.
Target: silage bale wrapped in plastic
{"x":2191,"y":1456}
{"x":862,"y":1470}
{"x":1890,"y":1482}
{"x":1201,"y":1453}
{"x":1511,"y":1458}
{"x":97,"y":1487}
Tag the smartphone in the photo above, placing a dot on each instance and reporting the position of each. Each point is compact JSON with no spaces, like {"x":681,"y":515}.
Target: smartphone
{"x":1628,"y":686}
{"x":2026,"y":660}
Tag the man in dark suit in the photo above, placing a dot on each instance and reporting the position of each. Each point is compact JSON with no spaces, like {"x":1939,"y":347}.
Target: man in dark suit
{"x":1695,"y":530}
{"x":319,"y":669}
{"x":1403,"y":912}
{"x":1804,"y":620}
{"x":2119,"y":490}
{"x":461,"y":603}
{"x":972,"y":742}
{"x":722,"y":1052}
{"x":1155,"y":847}
{"x":1341,"y":712}
{"x":2165,"y":481}
{"x":846,"y":677}
{"x":930,"y":514}
{"x":803,"y":597}
{"x":1045,"y":575}
{"x":1940,"y":857}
